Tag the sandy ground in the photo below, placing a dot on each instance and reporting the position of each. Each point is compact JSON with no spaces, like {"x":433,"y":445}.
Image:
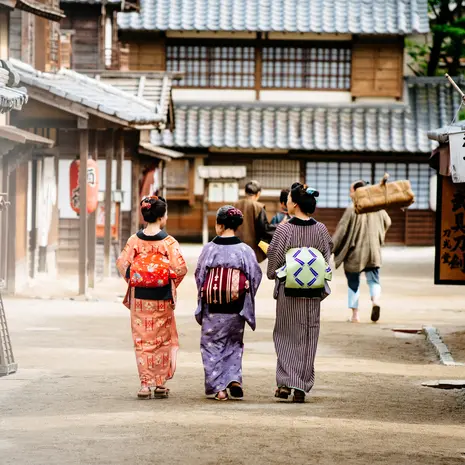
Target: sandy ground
{"x":73,"y":399}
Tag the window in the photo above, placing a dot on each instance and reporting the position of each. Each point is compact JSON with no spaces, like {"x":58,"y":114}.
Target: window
{"x":212,"y":66}
{"x":334,"y":179}
{"x":419,"y":175}
{"x":275,"y":174}
{"x":312,"y":67}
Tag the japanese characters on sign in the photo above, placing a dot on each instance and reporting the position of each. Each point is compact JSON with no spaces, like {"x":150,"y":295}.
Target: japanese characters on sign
{"x":450,"y":241}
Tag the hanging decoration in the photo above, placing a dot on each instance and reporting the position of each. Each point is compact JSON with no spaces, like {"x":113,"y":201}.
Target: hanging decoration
{"x":92,"y":186}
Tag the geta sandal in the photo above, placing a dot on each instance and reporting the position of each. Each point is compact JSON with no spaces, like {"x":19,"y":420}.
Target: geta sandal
{"x":236,"y":391}
{"x":283,"y":392}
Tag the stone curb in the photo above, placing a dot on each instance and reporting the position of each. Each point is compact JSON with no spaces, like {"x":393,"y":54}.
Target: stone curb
{"x":434,"y":338}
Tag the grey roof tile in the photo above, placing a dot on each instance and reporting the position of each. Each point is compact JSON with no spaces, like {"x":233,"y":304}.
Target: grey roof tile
{"x":99,"y":95}
{"x":12,"y":96}
{"x":319,"y":16}
{"x":346,"y":128}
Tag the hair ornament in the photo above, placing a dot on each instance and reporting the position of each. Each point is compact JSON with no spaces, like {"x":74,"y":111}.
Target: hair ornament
{"x":146,"y":203}
{"x":312,"y":191}
{"x":234,"y":212}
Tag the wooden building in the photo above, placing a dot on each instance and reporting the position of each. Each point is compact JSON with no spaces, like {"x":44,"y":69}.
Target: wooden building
{"x":71,"y":115}
{"x":295,"y":91}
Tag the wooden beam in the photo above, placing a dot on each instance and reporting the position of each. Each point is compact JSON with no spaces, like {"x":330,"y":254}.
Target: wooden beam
{"x":92,"y":226}
{"x":109,"y":155}
{"x":83,"y":155}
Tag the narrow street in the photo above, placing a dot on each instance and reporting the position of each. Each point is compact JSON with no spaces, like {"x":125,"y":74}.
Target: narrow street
{"x":73,"y":399}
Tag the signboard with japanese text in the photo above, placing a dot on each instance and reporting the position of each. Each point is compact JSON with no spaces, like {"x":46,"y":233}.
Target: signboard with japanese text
{"x":450,"y":233}
{"x":457,"y":157}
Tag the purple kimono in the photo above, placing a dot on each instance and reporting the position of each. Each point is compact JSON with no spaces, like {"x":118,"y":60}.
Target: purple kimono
{"x":221,"y":342}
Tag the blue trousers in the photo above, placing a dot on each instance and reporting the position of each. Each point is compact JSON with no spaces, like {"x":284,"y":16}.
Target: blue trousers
{"x":353,"y":280}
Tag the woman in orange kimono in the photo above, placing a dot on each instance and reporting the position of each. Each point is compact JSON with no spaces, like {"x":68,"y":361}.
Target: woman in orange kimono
{"x":152,"y":305}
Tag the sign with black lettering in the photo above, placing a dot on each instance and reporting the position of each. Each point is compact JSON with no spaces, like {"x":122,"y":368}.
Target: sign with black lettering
{"x":450,"y":233}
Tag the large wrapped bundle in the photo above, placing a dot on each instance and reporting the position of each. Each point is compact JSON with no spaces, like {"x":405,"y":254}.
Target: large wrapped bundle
{"x":383,"y":195}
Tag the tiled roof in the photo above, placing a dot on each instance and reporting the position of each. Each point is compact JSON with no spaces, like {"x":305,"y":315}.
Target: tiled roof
{"x":11,"y":95}
{"x":154,"y":87}
{"x":95,"y":96}
{"x":318,"y":16}
{"x":91,"y":2}
{"x":344,"y":128}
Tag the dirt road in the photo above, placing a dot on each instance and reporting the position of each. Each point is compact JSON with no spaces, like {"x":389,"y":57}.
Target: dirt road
{"x":73,"y":400}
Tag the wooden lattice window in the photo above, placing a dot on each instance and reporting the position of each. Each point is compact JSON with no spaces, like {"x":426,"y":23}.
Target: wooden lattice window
{"x":275,"y":174}
{"x":307,"y":67}
{"x":213,"y":66}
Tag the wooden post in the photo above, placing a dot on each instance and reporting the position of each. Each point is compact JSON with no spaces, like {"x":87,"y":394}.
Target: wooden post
{"x":83,"y":155}
{"x":110,"y":148}
{"x":135,"y":196}
{"x":119,"y":180}
{"x":205,"y":214}
{"x":92,"y":223}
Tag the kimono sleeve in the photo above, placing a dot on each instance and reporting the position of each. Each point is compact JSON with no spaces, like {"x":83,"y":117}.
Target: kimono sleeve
{"x":326,"y":242}
{"x":277,"y":251}
{"x":252,"y":270}
{"x":201,"y":269}
{"x":263,"y":229}
{"x":177,"y":261}
{"x":127,"y":257}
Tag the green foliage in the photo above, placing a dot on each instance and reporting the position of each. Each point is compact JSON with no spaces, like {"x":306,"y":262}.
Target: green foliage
{"x":446,"y":49}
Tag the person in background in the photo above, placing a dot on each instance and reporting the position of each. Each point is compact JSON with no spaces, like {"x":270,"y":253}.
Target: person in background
{"x":357,"y":245}
{"x":256,"y":227}
{"x":283,"y":215}
{"x":227,"y":278}
{"x":297,"y":324}
{"x":153,"y":266}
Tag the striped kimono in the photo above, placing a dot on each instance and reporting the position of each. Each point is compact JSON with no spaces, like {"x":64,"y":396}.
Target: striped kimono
{"x":297,"y":324}
{"x":152,"y":310}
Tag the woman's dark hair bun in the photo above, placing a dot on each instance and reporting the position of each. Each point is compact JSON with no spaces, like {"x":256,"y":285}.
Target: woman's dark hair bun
{"x":230,"y":217}
{"x":153,"y":208}
{"x":305,"y":197}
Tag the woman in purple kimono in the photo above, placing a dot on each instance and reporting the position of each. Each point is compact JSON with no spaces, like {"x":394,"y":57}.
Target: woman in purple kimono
{"x":227,"y":277}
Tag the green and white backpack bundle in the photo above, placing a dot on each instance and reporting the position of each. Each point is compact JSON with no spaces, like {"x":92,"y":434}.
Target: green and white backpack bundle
{"x":305,"y":268}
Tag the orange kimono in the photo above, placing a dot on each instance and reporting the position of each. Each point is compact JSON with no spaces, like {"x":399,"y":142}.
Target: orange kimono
{"x":152,"y":321}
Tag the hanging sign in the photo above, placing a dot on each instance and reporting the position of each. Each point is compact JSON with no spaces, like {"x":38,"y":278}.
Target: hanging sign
{"x":450,"y":233}
{"x":92,"y":186}
{"x":457,"y":156}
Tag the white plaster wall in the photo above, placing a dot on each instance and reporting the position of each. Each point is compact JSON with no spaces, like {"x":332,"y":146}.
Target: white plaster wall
{"x":63,"y":185}
{"x":213,"y":95}
{"x":199,"y":184}
{"x":303,"y":96}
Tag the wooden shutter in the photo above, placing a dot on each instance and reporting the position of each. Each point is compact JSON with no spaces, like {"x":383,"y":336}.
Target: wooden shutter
{"x":377,"y":70}
{"x":147,"y":56}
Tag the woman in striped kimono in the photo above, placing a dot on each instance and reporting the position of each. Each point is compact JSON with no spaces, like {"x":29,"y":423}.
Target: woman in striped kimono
{"x":227,"y":270}
{"x":152,"y":308}
{"x":298,"y":310}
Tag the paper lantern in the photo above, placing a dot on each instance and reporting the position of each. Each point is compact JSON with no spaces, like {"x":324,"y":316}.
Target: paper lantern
{"x":92,"y":186}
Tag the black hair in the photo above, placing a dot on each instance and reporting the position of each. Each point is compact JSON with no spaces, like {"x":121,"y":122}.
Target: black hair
{"x":359,"y":184}
{"x":284,"y":195}
{"x":304,"y":197}
{"x":153,"y":208}
{"x":253,"y":188}
{"x":230,"y":217}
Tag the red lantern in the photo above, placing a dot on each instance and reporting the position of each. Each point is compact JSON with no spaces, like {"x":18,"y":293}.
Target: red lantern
{"x":92,"y":185}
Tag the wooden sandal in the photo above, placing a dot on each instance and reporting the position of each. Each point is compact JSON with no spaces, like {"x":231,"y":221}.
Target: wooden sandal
{"x":222,"y":399}
{"x":161,"y":392}
{"x":283,"y":392}
{"x":236,"y":391}
{"x":144,"y":393}
{"x":299,"y":396}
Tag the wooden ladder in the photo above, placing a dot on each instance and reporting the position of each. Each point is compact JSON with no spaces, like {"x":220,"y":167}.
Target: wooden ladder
{"x":7,"y":360}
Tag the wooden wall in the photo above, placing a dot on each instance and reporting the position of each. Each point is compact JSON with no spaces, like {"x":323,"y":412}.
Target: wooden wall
{"x":21,"y":212}
{"x":377,"y":70}
{"x":85,"y":22}
{"x":147,"y":56}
